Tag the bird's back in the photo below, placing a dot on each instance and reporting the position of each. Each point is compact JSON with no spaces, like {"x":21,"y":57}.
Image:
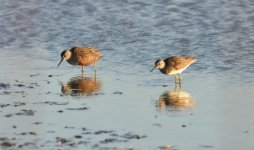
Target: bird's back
{"x":85,"y":56}
{"x":177,"y":64}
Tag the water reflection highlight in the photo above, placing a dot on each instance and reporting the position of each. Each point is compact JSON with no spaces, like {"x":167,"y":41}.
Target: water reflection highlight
{"x":81,"y":85}
{"x":176,"y":99}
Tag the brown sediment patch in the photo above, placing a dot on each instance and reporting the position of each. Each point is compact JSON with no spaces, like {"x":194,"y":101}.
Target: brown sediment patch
{"x":207,"y":146}
{"x":118,"y":93}
{"x":6,"y":89}
{"x":112,"y":140}
{"x":81,"y":108}
{"x":8,"y":115}
{"x":157,"y":125}
{"x":6,"y":142}
{"x":37,"y":123}
{"x":87,"y":132}
{"x":70,"y":142}
{"x":51,"y":75}
{"x":4,"y":85}
{"x":74,"y":141}
{"x":21,"y":93}
{"x":15,"y":104}
{"x":29,"y":85}
{"x":34,"y":75}
{"x":116,"y":139}
{"x":20,"y":85}
{"x":28,"y":133}
{"x":69,"y":127}
{"x":51,"y":131}
{"x":103,"y":132}
{"x":61,"y":140}
{"x":53,"y":103}
{"x":34,"y":84}
{"x":26,"y":112}
{"x":78,"y":136}
{"x":133,"y":136}
{"x":27,"y":144}
{"x":4,"y":105}
{"x":23,"y":112}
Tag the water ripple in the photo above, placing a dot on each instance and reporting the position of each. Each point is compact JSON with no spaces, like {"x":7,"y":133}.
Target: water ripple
{"x":219,"y":33}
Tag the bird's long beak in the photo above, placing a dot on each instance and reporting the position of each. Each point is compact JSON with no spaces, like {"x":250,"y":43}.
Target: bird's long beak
{"x":153,"y":69}
{"x":60,"y":62}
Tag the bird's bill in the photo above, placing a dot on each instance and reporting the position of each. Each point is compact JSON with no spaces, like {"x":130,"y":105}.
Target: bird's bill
{"x":153,"y":69}
{"x":60,"y":62}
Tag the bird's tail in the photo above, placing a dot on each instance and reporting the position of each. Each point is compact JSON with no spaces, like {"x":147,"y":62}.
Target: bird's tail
{"x":192,"y":59}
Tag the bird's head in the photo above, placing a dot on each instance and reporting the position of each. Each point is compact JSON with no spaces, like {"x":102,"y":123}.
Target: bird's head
{"x":66,"y":54}
{"x":159,"y":64}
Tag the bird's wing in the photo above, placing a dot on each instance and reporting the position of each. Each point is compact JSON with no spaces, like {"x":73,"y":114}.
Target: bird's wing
{"x":180,"y":62}
{"x":86,"y":55}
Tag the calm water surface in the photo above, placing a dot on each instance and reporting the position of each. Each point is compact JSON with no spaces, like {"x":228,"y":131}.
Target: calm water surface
{"x":124,"y":106}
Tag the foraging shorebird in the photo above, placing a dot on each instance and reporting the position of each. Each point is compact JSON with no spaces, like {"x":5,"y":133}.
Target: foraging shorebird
{"x":174,"y":65}
{"x":83,"y":56}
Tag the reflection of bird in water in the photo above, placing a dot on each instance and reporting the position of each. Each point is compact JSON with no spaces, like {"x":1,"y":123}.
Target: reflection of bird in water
{"x":174,"y":65}
{"x":81,"y":86}
{"x":83,"y":56}
{"x":175,"y":99}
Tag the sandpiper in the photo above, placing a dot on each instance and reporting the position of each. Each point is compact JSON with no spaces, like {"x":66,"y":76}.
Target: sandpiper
{"x":174,"y":65}
{"x":83,"y":56}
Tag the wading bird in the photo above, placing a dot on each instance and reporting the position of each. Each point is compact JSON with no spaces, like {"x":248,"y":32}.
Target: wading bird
{"x":83,"y":56}
{"x":174,"y":65}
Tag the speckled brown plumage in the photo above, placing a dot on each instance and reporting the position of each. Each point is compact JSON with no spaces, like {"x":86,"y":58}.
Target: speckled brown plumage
{"x":84,"y":56}
{"x":175,"y":63}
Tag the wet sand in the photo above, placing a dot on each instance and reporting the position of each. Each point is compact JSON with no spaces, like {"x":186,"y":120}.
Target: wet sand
{"x":109,"y":114}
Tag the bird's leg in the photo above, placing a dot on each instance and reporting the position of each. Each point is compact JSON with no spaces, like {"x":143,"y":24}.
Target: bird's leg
{"x":176,"y":79}
{"x":83,"y":70}
{"x":180,"y":85}
{"x":95,"y":75}
{"x":180,"y":80}
{"x":95,"y":69}
{"x":176,"y":87}
{"x":95,"y":66}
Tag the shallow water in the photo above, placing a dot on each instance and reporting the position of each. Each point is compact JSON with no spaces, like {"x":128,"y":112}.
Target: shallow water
{"x":125,"y":106}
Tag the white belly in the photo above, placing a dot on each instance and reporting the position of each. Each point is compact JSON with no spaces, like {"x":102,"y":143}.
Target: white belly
{"x":177,"y":71}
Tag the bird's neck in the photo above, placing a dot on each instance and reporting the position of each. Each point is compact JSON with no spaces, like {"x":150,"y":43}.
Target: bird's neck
{"x":68,"y":55}
{"x":163,"y":70}
{"x":162,"y":65}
